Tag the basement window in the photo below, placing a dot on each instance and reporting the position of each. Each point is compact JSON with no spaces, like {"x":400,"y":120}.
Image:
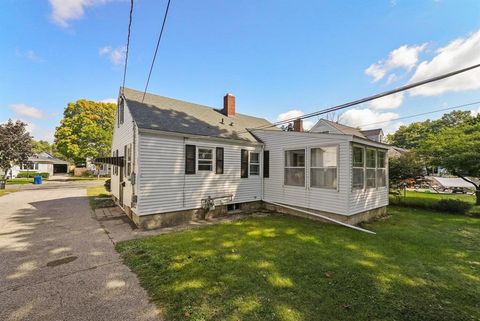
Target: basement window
{"x":205,"y":159}
{"x":233,"y":207}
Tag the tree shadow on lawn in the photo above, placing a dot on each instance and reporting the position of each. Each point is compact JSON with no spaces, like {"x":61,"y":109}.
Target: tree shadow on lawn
{"x":284,"y":268}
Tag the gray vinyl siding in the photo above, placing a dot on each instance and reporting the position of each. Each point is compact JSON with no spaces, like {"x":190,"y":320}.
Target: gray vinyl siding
{"x":164,"y":186}
{"x":122,"y":135}
{"x":329,"y":200}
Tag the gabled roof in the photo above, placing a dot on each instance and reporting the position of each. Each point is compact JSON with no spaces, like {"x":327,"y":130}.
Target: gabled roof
{"x":172,"y":115}
{"x":372,"y":132}
{"x":46,"y":158}
{"x":342,"y":129}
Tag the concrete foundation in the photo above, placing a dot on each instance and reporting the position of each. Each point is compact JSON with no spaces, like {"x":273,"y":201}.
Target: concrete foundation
{"x":160,"y":220}
{"x":349,"y":219}
{"x":153,"y":221}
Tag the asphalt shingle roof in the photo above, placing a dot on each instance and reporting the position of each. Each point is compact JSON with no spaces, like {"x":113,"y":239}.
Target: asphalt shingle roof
{"x":172,"y":115}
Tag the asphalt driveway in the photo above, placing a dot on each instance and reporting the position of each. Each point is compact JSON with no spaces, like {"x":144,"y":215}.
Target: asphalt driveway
{"x":57,"y":263}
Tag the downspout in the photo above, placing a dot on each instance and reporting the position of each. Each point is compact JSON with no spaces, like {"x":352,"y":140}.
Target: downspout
{"x":184,"y":174}
{"x":263,"y":174}
{"x":324,"y":217}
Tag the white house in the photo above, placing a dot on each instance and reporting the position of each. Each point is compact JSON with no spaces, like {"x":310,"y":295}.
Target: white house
{"x":174,"y":161}
{"x":41,"y":163}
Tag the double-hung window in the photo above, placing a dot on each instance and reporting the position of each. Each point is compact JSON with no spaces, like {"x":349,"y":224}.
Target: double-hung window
{"x":254,"y":164}
{"x":371,"y":172}
{"x":323,"y":167}
{"x":205,"y":159}
{"x":295,"y":167}
{"x":381,"y":168}
{"x":358,"y":167}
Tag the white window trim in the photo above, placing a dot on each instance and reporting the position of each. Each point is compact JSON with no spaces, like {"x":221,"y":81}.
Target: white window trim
{"x":363,"y":167}
{"x":365,"y":148}
{"x":213,"y":160}
{"x":367,"y":168}
{"x":305,"y":186}
{"x":310,"y":166}
{"x":250,"y":163}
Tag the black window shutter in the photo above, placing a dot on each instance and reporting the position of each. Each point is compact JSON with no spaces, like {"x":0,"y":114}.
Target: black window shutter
{"x":219,"y":160}
{"x":266,"y":163}
{"x":244,"y":164}
{"x":189,"y":159}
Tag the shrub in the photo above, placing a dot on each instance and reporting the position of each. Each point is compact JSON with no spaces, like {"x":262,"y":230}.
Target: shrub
{"x":88,"y":173}
{"x":453,"y":206}
{"x":107,"y":185}
{"x":447,"y":205}
{"x":28,"y":174}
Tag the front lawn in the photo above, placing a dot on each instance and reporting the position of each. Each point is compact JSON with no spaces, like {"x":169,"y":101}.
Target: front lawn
{"x":6,"y":191}
{"x":420,"y":266}
{"x":99,"y":197}
{"x":14,"y":181}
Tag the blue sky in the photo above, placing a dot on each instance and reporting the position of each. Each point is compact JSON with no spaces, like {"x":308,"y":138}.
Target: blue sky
{"x":279,"y":58}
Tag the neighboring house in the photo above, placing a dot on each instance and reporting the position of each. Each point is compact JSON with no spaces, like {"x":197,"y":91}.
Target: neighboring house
{"x":174,"y":161}
{"x":327,"y":126}
{"x":41,"y":163}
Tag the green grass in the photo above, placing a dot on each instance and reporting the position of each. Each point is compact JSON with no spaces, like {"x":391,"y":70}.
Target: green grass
{"x":427,"y":199}
{"x":99,"y":197}
{"x":72,"y":179}
{"x":6,"y":191}
{"x":420,"y":266}
{"x":437,"y":196}
{"x":14,"y":181}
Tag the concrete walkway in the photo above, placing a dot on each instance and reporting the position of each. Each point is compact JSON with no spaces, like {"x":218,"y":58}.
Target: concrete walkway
{"x":57,"y":262}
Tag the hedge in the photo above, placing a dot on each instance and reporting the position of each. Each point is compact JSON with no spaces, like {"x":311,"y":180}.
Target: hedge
{"x":443,"y":205}
{"x":30,"y":174}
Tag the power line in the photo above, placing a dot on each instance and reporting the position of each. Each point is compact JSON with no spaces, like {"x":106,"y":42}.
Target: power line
{"x":426,"y":113}
{"x":370,"y":98}
{"x":128,"y":45}
{"x":156,"y":49}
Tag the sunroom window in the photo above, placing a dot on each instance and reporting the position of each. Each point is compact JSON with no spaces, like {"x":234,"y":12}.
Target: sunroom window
{"x":381,"y":168}
{"x":295,"y":167}
{"x":323,"y":167}
{"x":358,"y":167}
{"x":205,"y":159}
{"x":371,"y":167}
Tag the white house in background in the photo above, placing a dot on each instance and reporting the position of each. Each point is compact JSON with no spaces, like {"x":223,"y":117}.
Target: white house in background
{"x":41,"y":163}
{"x":327,"y":126}
{"x":174,"y":161}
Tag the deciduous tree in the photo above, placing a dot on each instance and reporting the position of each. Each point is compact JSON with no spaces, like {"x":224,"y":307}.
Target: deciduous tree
{"x":85,"y":130}
{"x":457,"y":149}
{"x":15,"y":145}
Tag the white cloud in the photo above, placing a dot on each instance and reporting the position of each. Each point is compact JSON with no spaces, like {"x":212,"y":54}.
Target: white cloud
{"x":391,"y":78}
{"x":475,"y":113}
{"x":65,"y":10}
{"x":367,"y":118}
{"x":388,"y":102}
{"x":27,"y":111}
{"x":294,"y":113}
{"x":458,"y":54}
{"x":108,"y":100}
{"x":30,"y":55}
{"x":403,"y":57}
{"x":117,"y":55}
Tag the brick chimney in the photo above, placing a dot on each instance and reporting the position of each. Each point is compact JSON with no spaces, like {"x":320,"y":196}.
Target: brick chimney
{"x":229,"y":105}
{"x":298,"y":125}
